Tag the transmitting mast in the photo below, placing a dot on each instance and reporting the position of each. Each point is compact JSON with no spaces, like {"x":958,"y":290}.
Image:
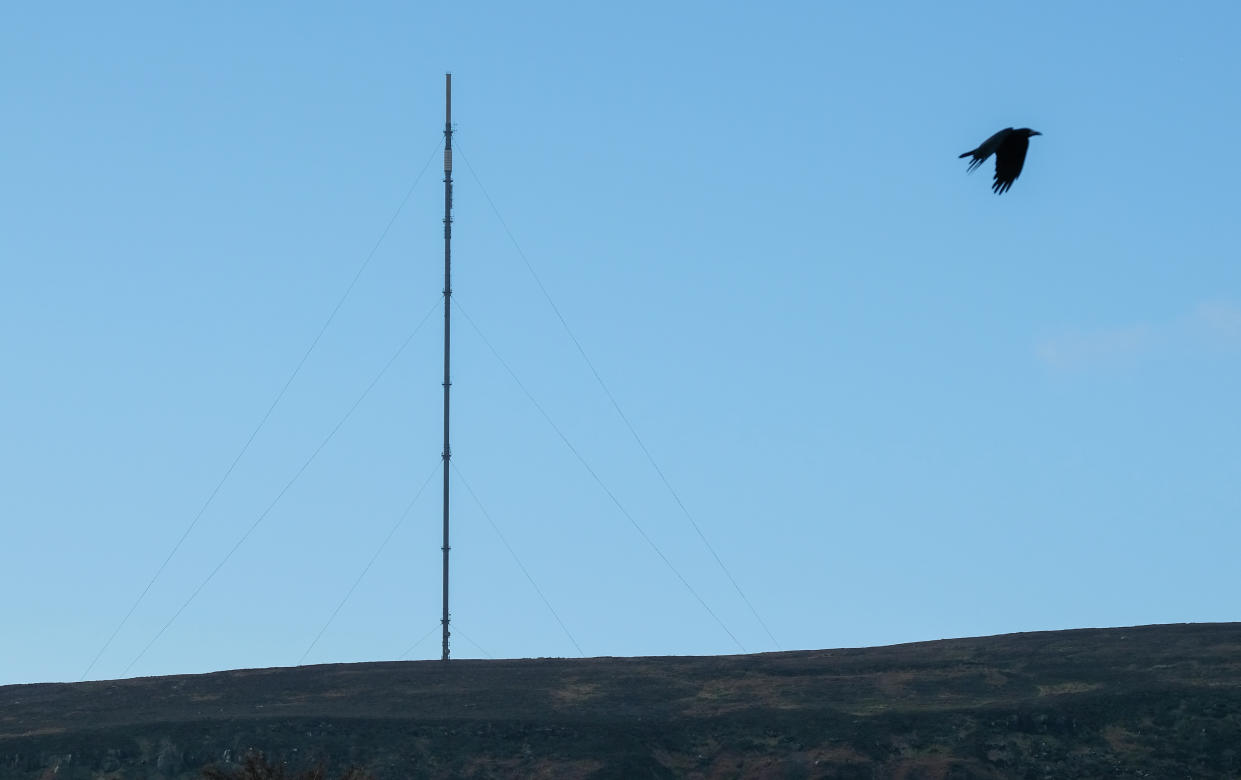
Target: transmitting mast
{"x":447,"y":453}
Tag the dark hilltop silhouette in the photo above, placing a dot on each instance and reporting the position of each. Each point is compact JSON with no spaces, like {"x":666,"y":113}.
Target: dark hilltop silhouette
{"x":1153,"y":701}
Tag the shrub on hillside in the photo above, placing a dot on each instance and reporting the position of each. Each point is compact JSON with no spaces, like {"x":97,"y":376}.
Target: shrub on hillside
{"x":255,"y":766}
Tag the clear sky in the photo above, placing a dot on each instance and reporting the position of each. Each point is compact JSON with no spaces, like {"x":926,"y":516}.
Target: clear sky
{"x":897,"y":406}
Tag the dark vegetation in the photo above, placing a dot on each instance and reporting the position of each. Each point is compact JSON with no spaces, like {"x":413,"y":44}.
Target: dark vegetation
{"x":256,"y":766}
{"x":1154,"y":701}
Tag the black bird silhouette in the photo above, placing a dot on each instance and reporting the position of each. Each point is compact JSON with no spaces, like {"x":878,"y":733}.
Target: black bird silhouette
{"x":1009,"y":147}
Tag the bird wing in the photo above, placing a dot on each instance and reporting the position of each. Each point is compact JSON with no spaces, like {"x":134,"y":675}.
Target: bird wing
{"x":977,"y":160}
{"x":986,"y":148}
{"x":1009,"y":159}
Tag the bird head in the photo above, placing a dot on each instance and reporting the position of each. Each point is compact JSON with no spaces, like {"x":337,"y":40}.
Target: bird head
{"x":1028,"y":132}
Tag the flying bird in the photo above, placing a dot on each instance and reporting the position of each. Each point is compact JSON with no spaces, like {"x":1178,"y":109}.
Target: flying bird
{"x":1009,"y":147}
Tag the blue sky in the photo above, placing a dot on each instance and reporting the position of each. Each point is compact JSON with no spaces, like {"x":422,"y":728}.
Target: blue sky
{"x":898,"y":406}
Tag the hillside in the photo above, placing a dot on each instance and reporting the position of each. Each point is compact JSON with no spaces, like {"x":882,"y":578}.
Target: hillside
{"x":1153,"y":701}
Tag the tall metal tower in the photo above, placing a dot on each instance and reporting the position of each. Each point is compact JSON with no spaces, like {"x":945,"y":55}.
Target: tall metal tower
{"x":447,"y":453}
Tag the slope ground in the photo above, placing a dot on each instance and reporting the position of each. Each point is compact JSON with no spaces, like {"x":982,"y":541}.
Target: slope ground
{"x":1157,"y":701}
